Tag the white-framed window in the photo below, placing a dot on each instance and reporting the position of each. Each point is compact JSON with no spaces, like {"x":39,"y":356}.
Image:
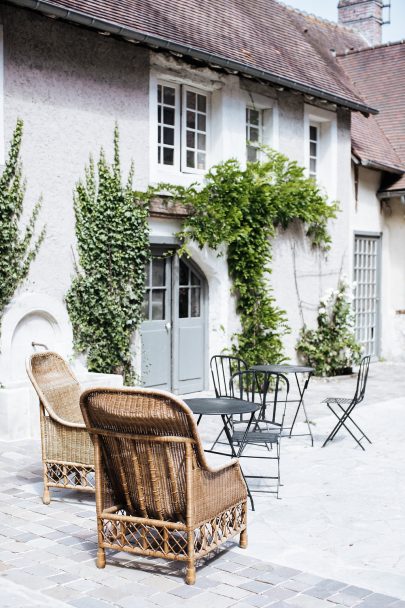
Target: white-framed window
{"x":314,"y":130}
{"x":320,"y":147}
{"x":254,"y":133}
{"x":182,"y":127}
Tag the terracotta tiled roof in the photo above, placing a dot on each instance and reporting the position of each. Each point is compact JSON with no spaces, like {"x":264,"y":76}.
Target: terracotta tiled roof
{"x":379,"y":74}
{"x":370,"y":143}
{"x":263,"y":35}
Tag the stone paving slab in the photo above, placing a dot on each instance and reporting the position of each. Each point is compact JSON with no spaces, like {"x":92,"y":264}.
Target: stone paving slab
{"x":47,"y":558}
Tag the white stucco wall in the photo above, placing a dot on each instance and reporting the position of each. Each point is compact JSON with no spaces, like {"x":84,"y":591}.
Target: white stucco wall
{"x":69,"y":85}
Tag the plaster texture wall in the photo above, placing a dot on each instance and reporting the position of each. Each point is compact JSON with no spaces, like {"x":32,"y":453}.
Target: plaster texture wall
{"x":69,"y":86}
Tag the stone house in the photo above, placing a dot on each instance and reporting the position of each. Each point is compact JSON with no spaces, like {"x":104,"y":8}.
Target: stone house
{"x":190,"y":84}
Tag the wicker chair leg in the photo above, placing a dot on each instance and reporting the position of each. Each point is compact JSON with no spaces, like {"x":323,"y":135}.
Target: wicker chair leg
{"x":243,"y":539}
{"x":100,"y":563}
{"x":46,"y":496}
{"x":190,"y":570}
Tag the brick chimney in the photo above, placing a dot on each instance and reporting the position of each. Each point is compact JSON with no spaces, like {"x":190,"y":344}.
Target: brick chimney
{"x":365,"y":16}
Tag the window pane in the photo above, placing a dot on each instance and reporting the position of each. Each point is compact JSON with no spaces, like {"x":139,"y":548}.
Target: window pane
{"x":168,"y":136}
{"x":190,"y":159}
{"x":190,"y":100}
{"x":145,"y":305}
{"x":195,"y":280}
{"x":312,"y":166}
{"x":159,"y":89}
{"x":169,"y":96}
{"x":158,"y":304}
{"x":168,"y":116}
{"x":202,"y":103}
{"x":168,"y":156}
{"x":159,"y":155}
{"x":251,"y":154}
{"x":201,"y":141}
{"x":159,"y":113}
{"x":147,"y":273}
{"x":312,"y":148}
{"x":190,"y":139}
{"x":254,"y":134}
{"x":200,"y":160}
{"x":254,"y":117}
{"x":183,"y":273}
{"x":158,"y":272}
{"x":195,"y":304}
{"x":201,"y":122}
{"x":191,"y":120}
{"x":183,"y":302}
{"x":313,"y":133}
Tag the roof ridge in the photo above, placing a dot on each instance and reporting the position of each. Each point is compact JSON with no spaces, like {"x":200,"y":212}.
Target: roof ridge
{"x":334,"y":24}
{"x":372,"y":48}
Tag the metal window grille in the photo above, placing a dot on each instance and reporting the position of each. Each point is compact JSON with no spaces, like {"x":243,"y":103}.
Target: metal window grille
{"x":366,"y":295}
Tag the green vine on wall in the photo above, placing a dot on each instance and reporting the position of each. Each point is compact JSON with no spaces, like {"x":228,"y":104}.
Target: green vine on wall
{"x":106,"y":296}
{"x":242,"y":209}
{"x":18,"y":248}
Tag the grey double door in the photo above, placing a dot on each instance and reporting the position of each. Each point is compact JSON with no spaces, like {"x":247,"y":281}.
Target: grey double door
{"x":173,"y":333}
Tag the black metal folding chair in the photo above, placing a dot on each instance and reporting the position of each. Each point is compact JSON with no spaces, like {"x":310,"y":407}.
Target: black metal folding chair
{"x":345,"y":407}
{"x":223,"y":367}
{"x":270,"y":389}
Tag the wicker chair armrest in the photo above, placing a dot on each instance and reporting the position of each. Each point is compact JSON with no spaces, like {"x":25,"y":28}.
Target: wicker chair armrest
{"x":54,"y":416}
{"x":216,"y":490}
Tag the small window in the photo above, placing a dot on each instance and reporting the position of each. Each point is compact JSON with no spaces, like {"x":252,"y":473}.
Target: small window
{"x":313,"y":150}
{"x":182,"y":127}
{"x":154,"y":304}
{"x":253,"y":134}
{"x":195,"y":130}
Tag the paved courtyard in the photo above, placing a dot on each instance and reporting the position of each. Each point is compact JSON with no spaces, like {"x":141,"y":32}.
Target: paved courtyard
{"x":336,"y":538}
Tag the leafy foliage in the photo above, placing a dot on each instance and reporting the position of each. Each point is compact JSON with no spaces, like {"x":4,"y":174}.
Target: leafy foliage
{"x":106,"y":296}
{"x":331,"y":348}
{"x":17,"y":249}
{"x":242,"y":208}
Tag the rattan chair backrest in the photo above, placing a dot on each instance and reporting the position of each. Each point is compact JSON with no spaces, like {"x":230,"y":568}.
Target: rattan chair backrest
{"x":56,"y":386}
{"x":143,"y":435}
{"x":223,"y":367}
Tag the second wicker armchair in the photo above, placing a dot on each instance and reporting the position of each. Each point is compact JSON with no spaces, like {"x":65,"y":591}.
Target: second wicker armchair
{"x":155,"y":493}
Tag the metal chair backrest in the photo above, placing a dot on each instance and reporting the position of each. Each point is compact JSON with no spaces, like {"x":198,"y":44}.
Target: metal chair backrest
{"x":362,"y":379}
{"x":269,"y":389}
{"x":223,"y":368}
{"x":143,"y":438}
{"x":56,"y":385}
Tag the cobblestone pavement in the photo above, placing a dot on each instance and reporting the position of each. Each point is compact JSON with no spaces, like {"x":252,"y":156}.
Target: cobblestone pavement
{"x":47,"y":558}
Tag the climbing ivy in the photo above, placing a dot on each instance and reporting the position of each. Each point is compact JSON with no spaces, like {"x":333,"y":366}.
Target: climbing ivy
{"x":242,"y":209}
{"x":18,"y":248}
{"x":106,"y":296}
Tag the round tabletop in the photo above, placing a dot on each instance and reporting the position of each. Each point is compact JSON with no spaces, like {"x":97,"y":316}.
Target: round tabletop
{"x":283,"y":369}
{"x":220,"y":406}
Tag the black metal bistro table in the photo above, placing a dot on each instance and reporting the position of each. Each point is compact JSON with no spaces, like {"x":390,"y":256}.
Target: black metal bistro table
{"x":225,"y":407}
{"x":302,"y":387}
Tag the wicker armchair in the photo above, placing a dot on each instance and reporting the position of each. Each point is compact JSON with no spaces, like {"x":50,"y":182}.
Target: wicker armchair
{"x":67,"y":450}
{"x":155,"y":493}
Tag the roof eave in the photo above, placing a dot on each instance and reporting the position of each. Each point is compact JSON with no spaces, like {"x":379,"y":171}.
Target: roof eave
{"x":83,"y":19}
{"x":377,"y":166}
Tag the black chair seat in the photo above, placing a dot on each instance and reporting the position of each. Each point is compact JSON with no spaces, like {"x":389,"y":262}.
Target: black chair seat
{"x":338,"y":400}
{"x":256,"y":437}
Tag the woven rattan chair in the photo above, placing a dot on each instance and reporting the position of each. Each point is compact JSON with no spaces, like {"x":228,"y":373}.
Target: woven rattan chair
{"x":155,"y":493}
{"x":67,"y":450}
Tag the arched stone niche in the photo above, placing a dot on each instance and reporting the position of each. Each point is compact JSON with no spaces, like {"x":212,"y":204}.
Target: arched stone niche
{"x":31,"y":318}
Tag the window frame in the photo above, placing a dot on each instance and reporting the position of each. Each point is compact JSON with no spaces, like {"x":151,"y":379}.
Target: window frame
{"x":248,"y":124}
{"x":177,"y":120}
{"x":314,"y":125}
{"x":183,"y":151}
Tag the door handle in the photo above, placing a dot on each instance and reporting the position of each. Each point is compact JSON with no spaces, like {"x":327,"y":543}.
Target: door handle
{"x":168,"y":327}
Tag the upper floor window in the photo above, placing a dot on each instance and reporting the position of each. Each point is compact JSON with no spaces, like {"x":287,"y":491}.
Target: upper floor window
{"x":313,"y":150}
{"x":254,"y":124}
{"x":182,"y":137}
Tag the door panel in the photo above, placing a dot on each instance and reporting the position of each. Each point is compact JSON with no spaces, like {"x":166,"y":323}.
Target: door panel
{"x":156,"y":329}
